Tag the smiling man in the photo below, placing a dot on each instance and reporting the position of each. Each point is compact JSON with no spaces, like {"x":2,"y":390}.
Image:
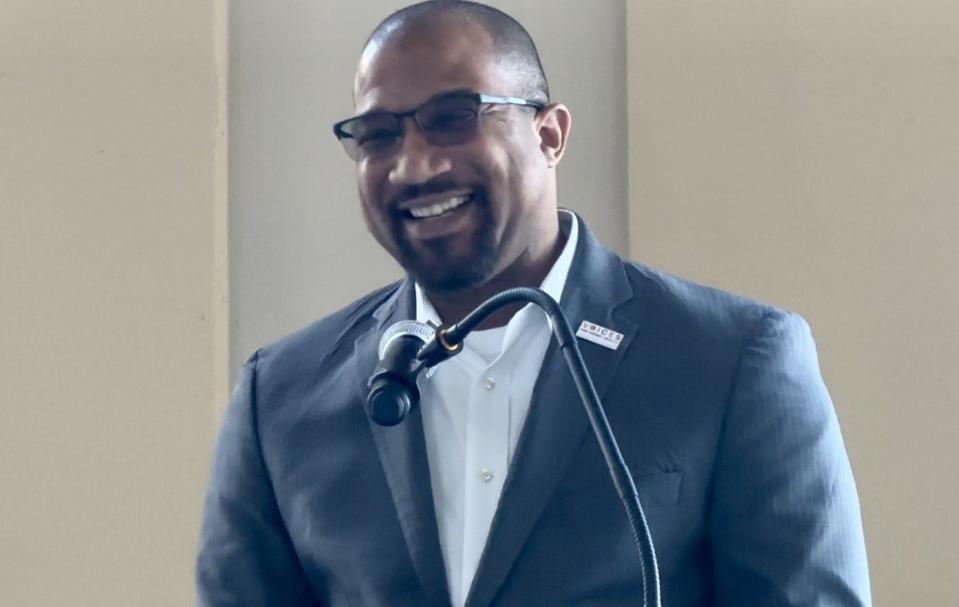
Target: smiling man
{"x":493,"y":491}
{"x":466,"y":200}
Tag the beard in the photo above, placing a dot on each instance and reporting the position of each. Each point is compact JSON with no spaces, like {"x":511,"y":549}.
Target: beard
{"x":441,"y":265}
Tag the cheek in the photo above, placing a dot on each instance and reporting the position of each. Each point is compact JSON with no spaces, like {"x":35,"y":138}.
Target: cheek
{"x":525,"y":156}
{"x":505,"y":165}
{"x":367,"y":178}
{"x":527,"y":168}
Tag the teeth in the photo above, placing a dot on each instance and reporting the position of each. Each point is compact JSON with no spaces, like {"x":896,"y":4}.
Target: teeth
{"x":439,"y":208}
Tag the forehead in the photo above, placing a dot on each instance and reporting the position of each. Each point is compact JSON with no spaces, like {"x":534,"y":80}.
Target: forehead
{"x":409,"y":67}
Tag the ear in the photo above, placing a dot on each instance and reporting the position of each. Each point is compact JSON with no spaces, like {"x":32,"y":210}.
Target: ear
{"x":554,"y":123}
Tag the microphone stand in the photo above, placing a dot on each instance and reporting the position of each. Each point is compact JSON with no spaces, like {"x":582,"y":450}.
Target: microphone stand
{"x":448,"y":341}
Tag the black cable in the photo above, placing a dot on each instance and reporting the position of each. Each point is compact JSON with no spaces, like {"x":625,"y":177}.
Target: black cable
{"x":448,"y":341}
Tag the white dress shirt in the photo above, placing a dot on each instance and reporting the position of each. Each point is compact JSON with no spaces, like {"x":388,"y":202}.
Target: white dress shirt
{"x":474,"y":406}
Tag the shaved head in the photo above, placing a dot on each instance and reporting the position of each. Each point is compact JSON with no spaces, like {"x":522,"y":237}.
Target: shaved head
{"x":511,"y":45}
{"x":469,"y":217}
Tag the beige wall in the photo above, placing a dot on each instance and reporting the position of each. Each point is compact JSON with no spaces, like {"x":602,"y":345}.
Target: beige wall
{"x":801,"y":152}
{"x":108,"y":118}
{"x":807,"y":153}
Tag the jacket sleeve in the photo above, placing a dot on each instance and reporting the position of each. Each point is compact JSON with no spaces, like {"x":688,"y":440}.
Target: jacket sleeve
{"x":246,"y":556}
{"x":784,"y":520}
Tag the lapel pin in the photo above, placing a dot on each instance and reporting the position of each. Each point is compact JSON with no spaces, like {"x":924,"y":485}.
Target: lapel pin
{"x":597,"y":334}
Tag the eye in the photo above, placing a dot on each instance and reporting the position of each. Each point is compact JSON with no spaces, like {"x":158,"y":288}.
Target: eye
{"x":451,"y":119}
{"x":376,"y":137}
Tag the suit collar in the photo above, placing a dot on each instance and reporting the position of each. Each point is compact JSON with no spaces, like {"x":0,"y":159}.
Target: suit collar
{"x":402,"y":452}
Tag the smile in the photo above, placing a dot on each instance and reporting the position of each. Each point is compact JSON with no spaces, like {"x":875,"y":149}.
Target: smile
{"x":438,"y":208}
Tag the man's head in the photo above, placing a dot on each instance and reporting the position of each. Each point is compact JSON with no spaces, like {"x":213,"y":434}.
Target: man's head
{"x":457,"y":210}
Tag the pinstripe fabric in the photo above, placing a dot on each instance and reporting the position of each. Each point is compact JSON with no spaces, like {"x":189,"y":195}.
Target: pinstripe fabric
{"x":719,"y":408}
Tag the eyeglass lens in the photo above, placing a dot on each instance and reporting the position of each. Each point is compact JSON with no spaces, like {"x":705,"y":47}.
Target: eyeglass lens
{"x":442,"y":121}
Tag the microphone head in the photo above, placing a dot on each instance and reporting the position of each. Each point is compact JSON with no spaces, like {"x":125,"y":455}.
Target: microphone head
{"x":389,"y":402}
{"x":393,"y":392}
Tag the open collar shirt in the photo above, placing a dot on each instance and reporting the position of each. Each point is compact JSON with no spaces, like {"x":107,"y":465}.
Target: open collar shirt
{"x":474,"y":406}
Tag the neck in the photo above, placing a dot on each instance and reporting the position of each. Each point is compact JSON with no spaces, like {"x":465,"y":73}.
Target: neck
{"x":528,"y":271}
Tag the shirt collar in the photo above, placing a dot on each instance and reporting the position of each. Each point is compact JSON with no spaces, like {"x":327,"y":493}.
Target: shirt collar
{"x":553,"y":284}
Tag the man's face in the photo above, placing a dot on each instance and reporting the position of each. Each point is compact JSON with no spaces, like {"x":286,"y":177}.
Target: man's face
{"x":498,"y":178}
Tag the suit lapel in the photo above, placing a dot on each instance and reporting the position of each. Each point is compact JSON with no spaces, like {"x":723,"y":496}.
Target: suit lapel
{"x":402,"y":451}
{"x":557,"y":421}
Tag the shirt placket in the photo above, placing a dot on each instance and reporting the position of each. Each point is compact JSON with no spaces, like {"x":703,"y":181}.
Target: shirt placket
{"x":486,"y":462}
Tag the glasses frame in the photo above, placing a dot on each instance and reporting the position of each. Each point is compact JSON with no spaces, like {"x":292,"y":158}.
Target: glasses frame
{"x":481,"y":99}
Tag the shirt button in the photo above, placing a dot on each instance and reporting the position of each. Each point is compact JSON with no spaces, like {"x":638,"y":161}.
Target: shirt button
{"x":489,"y":383}
{"x":486,"y":475}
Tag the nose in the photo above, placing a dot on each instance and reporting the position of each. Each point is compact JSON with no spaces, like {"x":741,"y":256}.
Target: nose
{"x":417,"y":161}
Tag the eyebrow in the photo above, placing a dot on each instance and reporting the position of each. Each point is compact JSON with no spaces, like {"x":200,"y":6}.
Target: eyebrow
{"x":382,"y":110}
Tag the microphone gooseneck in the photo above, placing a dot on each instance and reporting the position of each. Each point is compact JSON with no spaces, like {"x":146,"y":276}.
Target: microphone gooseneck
{"x":448,"y":342}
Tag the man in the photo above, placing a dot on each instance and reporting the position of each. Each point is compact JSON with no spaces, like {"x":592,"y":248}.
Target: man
{"x":493,"y":491}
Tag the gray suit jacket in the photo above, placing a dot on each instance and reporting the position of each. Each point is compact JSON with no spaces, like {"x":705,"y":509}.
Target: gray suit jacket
{"x":719,"y":409}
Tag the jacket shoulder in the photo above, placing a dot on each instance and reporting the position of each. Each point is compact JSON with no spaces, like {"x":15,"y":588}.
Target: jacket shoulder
{"x":330,"y":337}
{"x":697,"y":309}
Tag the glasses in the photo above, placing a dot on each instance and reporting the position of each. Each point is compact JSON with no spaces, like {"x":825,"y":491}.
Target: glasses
{"x":447,"y":119}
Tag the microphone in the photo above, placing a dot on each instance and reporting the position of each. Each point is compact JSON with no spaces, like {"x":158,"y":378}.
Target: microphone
{"x":393,"y":392}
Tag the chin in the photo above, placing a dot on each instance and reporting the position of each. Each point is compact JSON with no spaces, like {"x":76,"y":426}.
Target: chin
{"x":450,"y":277}
{"x":442,"y":269}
